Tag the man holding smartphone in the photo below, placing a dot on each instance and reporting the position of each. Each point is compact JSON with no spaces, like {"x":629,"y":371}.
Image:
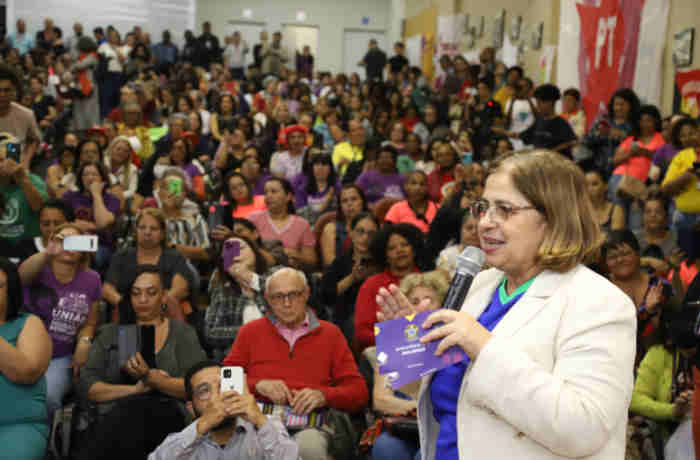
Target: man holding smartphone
{"x":229,"y":425}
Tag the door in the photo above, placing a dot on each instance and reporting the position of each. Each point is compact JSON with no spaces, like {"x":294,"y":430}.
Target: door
{"x":250,"y":33}
{"x":295,"y":38}
{"x":355,"y":45}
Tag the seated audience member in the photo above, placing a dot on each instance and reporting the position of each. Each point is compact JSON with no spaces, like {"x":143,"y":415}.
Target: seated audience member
{"x":151,"y":249}
{"x":680,"y":133}
{"x":681,"y":183}
{"x":397,"y":135}
{"x":232,"y":151}
{"x":26,"y":354}
{"x":181,"y":156}
{"x":447,"y":260}
{"x":52,"y":214}
{"x":549,"y":131}
{"x":620,"y":254}
{"x":139,"y":403}
{"x":611,"y":128}
{"x":227,"y":424}
{"x":633,"y":156}
{"x":520,"y":110}
{"x":342,"y":280}
{"x":60,"y":173}
{"x":279,"y":222}
{"x":289,"y":163}
{"x":417,"y":209}
{"x":96,"y":210}
{"x":187,"y":232}
{"x":222,"y":117}
{"x":398,"y":250}
{"x":306,"y":364}
{"x":239,"y":200}
{"x":655,"y":232}
{"x":663,"y":389}
{"x":252,"y":170}
{"x":385,"y":181}
{"x":442,"y":178}
{"x":123,"y":173}
{"x":43,"y":105}
{"x":135,"y":126}
{"x":203,"y":145}
{"x":426,"y":292}
{"x":235,"y":296}
{"x":413,"y":153}
{"x":335,"y":234}
{"x":430,"y":127}
{"x":22,"y":194}
{"x":610,"y":216}
{"x":315,"y":188}
{"x":572,"y":111}
{"x":349,"y":156}
{"x":61,"y":290}
{"x":15,"y":119}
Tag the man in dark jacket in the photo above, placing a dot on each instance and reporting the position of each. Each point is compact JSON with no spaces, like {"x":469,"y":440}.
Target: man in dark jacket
{"x":374,"y":61}
{"x":209,"y":46}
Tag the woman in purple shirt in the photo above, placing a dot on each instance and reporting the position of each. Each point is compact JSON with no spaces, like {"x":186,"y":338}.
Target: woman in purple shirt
{"x":95,"y":210}
{"x":61,"y":290}
{"x":385,"y":181}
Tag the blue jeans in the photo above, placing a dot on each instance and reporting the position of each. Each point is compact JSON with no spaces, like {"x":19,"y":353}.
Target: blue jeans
{"x":59,"y":377}
{"x":387,"y":447}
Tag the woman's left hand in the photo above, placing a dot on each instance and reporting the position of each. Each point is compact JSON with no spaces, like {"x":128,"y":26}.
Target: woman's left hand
{"x":459,"y":329}
{"x":136,"y":367}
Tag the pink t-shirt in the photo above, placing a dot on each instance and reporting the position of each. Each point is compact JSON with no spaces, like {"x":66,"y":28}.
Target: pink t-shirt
{"x":258,"y":204}
{"x":401,"y":212}
{"x":294,"y":235}
{"x":639,"y":166}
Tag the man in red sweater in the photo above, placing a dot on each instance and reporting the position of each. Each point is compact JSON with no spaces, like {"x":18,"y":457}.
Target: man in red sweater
{"x":293,"y":359}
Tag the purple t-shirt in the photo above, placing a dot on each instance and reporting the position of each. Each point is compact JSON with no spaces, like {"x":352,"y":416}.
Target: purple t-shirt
{"x":83,"y":210}
{"x":303,"y":197}
{"x":377,"y":186}
{"x":62,"y":307}
{"x":664,"y":154}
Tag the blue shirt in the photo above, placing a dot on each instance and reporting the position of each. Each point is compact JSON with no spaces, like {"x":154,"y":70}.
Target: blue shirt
{"x":444,"y":388}
{"x":23,"y":42}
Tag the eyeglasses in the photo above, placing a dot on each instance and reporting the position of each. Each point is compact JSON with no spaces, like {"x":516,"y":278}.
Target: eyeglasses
{"x":501,"y":211}
{"x":202,"y":392}
{"x":281,"y":297}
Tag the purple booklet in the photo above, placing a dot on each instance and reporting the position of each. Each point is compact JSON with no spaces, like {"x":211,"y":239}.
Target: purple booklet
{"x":402,"y":356}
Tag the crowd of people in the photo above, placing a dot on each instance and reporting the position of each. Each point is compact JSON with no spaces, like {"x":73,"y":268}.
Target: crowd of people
{"x":268,"y":215}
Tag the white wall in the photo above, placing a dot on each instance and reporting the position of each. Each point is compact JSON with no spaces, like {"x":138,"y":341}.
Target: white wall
{"x":152,"y":15}
{"x":331,"y":16}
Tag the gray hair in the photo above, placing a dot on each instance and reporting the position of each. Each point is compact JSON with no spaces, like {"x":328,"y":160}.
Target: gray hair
{"x":300,"y":274}
{"x":181,"y":116}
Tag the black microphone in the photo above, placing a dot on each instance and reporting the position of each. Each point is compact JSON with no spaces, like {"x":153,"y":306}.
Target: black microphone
{"x":469,"y":263}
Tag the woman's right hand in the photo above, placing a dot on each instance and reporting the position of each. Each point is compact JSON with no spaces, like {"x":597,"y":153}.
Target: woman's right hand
{"x":393,"y":304}
{"x":682,"y":404}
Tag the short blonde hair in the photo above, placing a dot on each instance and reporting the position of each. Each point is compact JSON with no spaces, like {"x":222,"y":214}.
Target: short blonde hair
{"x":85,"y":260}
{"x":557,"y":188}
{"x":434,"y":280}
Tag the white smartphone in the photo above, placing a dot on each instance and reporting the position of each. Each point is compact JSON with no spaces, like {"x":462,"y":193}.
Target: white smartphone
{"x":81,"y":243}
{"x":232,"y":379}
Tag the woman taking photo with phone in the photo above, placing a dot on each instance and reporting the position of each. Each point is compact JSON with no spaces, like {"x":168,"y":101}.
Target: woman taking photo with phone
{"x":235,"y":294}
{"x":25,"y":354}
{"x":138,"y":403}
{"x":61,"y":290}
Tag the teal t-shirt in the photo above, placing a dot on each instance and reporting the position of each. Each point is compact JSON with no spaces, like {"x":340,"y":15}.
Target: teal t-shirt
{"x":19,"y":221}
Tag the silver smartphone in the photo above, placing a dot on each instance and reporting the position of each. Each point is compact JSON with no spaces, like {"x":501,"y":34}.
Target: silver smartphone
{"x":80,"y":243}
{"x":232,"y":379}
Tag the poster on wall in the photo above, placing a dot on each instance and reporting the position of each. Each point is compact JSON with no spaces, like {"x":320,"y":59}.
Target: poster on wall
{"x":414,"y":50}
{"x":688,"y":87}
{"x":617,"y":46}
{"x":449,"y":32}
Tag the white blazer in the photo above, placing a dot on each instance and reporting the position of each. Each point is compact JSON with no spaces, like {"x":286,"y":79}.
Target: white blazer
{"x":555,"y":380}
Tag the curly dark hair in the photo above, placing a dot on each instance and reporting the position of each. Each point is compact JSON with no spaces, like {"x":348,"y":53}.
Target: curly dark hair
{"x":632,"y":99}
{"x":410,"y":233}
{"x":676,"y":130}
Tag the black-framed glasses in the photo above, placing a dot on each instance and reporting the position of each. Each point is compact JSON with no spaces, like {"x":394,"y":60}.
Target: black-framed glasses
{"x":280,"y":297}
{"x":500,"y":212}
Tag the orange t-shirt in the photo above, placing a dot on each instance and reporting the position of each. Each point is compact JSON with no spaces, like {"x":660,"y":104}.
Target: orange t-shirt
{"x":258,"y":204}
{"x":638,"y":166}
